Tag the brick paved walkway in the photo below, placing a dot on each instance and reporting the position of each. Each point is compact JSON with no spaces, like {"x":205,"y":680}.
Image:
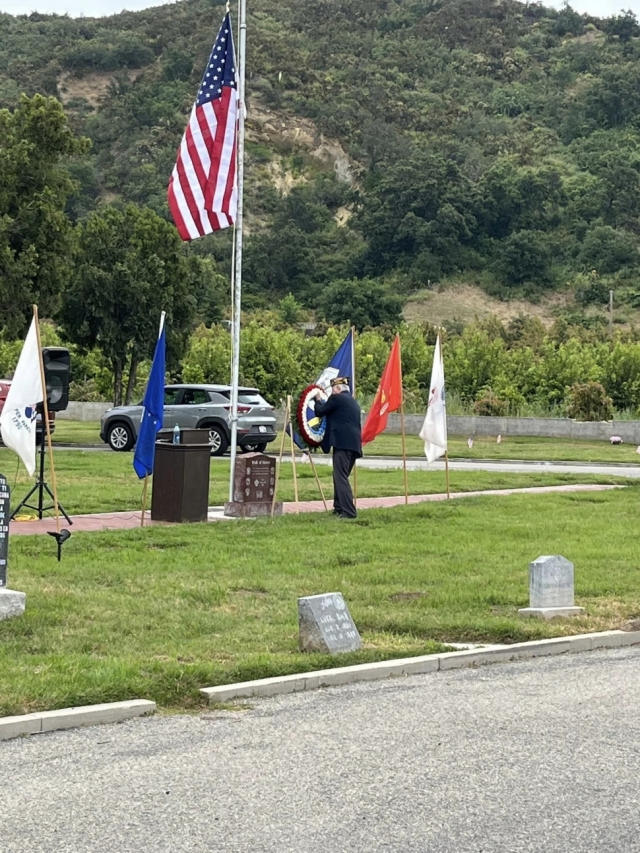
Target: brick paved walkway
{"x":128,"y":520}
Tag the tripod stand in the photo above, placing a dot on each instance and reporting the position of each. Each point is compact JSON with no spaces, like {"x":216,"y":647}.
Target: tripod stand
{"x":40,"y":486}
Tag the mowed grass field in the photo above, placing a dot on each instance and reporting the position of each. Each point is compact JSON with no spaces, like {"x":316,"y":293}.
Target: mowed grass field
{"x":161,"y":612}
{"x":484,"y":447}
{"x":93,"y":481}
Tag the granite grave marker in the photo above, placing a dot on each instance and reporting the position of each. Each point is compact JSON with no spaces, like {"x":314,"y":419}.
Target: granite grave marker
{"x":12,"y":603}
{"x":551,"y":589}
{"x":325,"y":624}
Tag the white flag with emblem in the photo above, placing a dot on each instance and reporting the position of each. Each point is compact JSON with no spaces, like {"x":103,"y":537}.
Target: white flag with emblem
{"x":18,"y":418}
{"x":434,"y":428}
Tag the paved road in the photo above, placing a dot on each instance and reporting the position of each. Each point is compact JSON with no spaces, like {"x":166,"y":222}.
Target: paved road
{"x":538,"y":757}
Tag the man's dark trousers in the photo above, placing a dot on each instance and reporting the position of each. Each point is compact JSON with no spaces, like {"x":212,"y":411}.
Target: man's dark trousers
{"x":343,"y":462}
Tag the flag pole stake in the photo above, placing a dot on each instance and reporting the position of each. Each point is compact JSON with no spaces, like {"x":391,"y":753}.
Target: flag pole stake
{"x":315,"y":471}
{"x":45,"y":412}
{"x":446,"y":468}
{"x":353,"y":383}
{"x":144,"y":499}
{"x":293,"y":461}
{"x":280,"y":455}
{"x":404,"y":453}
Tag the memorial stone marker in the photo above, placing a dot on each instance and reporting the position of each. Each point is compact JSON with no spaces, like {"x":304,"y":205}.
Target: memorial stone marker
{"x":12,"y":603}
{"x":253,"y":486}
{"x":326,"y":625}
{"x":551,"y":589}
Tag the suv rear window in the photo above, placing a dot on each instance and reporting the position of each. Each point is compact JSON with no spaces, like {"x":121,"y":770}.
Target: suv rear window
{"x":248,"y":397}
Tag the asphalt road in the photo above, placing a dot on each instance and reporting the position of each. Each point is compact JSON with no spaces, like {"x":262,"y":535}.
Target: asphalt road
{"x":538,"y":756}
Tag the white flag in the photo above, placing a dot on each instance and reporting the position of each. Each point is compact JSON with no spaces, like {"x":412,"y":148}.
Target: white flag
{"x":434,"y":428}
{"x":18,"y":418}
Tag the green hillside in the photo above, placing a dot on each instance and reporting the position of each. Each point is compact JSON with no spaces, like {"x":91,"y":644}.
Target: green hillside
{"x":393,"y":145}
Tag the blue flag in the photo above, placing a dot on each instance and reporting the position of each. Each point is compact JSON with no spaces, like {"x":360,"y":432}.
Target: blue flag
{"x":342,"y":364}
{"x":152,"y":415}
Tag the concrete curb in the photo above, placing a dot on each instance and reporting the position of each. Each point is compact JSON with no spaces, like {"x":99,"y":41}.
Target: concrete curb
{"x":71,"y":718}
{"x":413,"y":666}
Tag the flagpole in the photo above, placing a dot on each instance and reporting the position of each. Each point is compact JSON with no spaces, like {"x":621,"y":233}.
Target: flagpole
{"x":353,"y":382}
{"x":280,"y":455}
{"x":446,"y":468}
{"x":293,"y":460}
{"x":237,"y":300}
{"x":45,"y":413}
{"x":144,"y":499}
{"x":404,"y":439}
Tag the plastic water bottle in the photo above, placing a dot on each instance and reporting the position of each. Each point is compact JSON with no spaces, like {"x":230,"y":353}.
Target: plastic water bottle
{"x":176,"y":434}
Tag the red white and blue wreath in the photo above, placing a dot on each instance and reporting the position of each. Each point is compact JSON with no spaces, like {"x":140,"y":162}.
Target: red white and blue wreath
{"x":312,"y":428}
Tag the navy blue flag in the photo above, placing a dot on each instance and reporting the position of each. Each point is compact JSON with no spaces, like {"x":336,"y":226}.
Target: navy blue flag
{"x":342,"y":364}
{"x":151,"y":422}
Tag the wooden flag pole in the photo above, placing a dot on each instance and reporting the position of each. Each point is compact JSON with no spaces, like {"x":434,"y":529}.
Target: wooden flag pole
{"x":404,"y":453}
{"x":293,"y":460}
{"x":284,"y":433}
{"x":319,"y":484}
{"x":45,"y":412}
{"x":404,"y":438}
{"x":353,"y":385}
{"x":144,"y":499}
{"x":446,"y":468}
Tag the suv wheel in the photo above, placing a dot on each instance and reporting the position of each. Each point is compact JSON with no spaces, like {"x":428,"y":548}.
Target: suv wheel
{"x":218,"y":441}
{"x":120,"y":437}
{"x":255,"y":448}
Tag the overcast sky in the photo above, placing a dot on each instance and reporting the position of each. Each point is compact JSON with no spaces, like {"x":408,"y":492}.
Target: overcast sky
{"x":93,"y":8}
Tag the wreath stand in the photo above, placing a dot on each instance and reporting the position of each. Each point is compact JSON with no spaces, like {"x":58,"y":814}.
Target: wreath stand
{"x":287,"y":423}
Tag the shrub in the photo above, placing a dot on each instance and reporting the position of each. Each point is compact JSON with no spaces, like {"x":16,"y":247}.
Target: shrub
{"x":490,"y":406}
{"x":588,"y":401}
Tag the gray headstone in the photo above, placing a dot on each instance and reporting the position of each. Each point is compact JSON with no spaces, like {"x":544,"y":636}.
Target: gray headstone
{"x":551,"y":582}
{"x":5,"y":513}
{"x":326,"y":624}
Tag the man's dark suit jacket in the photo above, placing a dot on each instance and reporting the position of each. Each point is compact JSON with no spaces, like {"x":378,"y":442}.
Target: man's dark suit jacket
{"x":343,"y":423}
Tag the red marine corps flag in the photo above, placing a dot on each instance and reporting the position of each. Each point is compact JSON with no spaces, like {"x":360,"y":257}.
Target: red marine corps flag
{"x":388,"y":396}
{"x":202,"y":191}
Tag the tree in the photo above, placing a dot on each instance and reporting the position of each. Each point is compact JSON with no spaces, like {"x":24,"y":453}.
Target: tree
{"x":363,"y":302}
{"x":35,"y":234}
{"x":130,"y":266}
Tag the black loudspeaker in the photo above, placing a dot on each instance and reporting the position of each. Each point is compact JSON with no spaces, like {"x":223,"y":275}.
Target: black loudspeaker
{"x":57,"y":375}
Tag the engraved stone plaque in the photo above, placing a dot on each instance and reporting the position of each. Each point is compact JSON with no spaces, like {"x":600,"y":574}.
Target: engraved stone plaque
{"x":551,"y":582}
{"x":325,"y":624}
{"x":253,"y":487}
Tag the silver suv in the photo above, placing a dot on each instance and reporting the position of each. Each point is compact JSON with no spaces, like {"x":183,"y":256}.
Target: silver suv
{"x":198,"y":407}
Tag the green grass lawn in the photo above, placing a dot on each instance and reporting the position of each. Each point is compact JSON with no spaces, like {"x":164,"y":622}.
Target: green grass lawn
{"x":524,"y":448}
{"x":160,"y":612}
{"x":519,"y":448}
{"x":90,"y":481}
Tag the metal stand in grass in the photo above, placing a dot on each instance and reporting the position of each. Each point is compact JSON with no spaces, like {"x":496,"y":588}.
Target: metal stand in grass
{"x":293,"y":458}
{"x":404,"y":438}
{"x":353,"y":385}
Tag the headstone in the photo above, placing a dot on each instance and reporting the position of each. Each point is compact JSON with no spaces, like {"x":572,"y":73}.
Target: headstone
{"x":253,"y":487}
{"x":12,"y":603}
{"x":325,"y":624}
{"x":551,"y":589}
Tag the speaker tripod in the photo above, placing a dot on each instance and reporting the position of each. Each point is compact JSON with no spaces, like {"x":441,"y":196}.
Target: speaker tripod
{"x":40,"y":487}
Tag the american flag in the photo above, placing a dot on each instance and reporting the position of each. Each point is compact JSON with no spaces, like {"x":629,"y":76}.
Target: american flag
{"x":202,"y":190}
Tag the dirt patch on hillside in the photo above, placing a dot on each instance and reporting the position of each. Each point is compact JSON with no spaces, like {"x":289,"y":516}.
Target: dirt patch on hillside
{"x":468,"y":303}
{"x":91,"y":87}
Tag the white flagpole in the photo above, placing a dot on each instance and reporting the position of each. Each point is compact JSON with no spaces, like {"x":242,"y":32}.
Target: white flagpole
{"x":237,"y":302}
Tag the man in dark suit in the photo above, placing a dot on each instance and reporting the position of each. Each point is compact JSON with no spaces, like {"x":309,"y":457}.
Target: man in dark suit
{"x":343,"y":434}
